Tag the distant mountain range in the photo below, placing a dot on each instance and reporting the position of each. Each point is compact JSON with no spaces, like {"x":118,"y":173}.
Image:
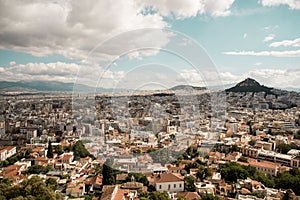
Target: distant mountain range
{"x":248,"y":85}
{"x":187,"y":87}
{"x":42,"y":86}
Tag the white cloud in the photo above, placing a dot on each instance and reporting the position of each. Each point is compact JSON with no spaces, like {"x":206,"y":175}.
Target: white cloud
{"x":245,"y":35}
{"x":293,"y":4}
{"x":73,"y":28}
{"x":270,"y":77}
{"x":190,"y":8}
{"x":218,"y":7}
{"x":295,"y":53}
{"x":258,"y":64}
{"x":269,"y":38}
{"x":286,"y":43}
{"x":12,"y":63}
{"x":63,"y":72}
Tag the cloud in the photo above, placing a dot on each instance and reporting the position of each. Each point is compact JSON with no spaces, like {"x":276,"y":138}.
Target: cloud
{"x":293,"y":4}
{"x":218,"y":7}
{"x":70,"y":28}
{"x":190,"y":8}
{"x":295,"y":53}
{"x":270,"y":77}
{"x":64,"y":72}
{"x":73,"y":28}
{"x":245,"y":35}
{"x":12,"y":63}
{"x":269,"y":38}
{"x":286,"y":43}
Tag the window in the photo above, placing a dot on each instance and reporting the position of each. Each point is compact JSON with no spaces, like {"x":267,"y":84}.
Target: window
{"x":180,"y":185}
{"x":174,"y":185}
{"x":159,"y":186}
{"x":169,"y":186}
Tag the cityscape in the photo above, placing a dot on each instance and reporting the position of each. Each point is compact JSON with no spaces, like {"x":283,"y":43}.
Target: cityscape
{"x":150,"y":100}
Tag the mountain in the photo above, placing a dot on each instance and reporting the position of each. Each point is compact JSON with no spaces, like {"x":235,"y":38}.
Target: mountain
{"x":187,"y":87}
{"x":43,"y":86}
{"x":249,"y":85}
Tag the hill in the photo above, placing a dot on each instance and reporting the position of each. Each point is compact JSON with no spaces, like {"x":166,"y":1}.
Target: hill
{"x":250,"y":85}
{"x":43,"y":86}
{"x":187,"y":87}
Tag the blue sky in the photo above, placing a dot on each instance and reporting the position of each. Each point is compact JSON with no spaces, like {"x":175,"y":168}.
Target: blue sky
{"x":243,"y":38}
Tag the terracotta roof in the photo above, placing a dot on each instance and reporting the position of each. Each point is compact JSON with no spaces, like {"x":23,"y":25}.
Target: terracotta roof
{"x":172,"y":177}
{"x":264,"y":164}
{"x":190,"y":195}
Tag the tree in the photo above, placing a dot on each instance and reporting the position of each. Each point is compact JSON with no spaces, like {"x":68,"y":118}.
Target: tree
{"x":51,"y":183}
{"x":231,"y":171}
{"x":30,"y":189}
{"x":58,"y":149}
{"x":138,"y":178}
{"x":50,"y":150}
{"x":243,"y":159}
{"x":284,"y":148}
{"x":203,"y":173}
{"x":209,"y":197}
{"x":79,"y":150}
{"x":252,"y":142}
{"x":109,"y":174}
{"x":189,"y":184}
{"x":154,"y":196}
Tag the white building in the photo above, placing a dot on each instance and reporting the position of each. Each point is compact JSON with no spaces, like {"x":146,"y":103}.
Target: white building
{"x":169,"y":183}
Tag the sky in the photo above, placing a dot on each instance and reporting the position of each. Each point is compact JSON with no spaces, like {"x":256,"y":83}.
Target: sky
{"x":151,"y":44}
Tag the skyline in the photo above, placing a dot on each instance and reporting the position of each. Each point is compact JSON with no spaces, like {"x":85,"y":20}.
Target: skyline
{"x":257,"y":39}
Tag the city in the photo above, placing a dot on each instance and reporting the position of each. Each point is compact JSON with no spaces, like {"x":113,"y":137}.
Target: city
{"x":249,"y":155}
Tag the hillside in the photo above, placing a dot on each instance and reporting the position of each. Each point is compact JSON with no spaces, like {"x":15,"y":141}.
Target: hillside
{"x":250,"y":85}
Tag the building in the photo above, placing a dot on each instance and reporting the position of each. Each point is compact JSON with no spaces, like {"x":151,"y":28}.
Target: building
{"x":265,"y":167}
{"x":205,"y":188}
{"x":169,"y":183}
{"x":6,"y":152}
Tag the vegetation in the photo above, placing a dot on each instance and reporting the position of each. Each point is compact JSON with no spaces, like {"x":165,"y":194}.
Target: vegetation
{"x":203,"y":173}
{"x":79,"y":150}
{"x":109,"y":174}
{"x":289,"y":180}
{"x":231,"y":171}
{"x":154,"y":196}
{"x":51,"y":183}
{"x":50,"y":150}
{"x":210,"y":197}
{"x":189,"y":184}
{"x":33,"y":189}
{"x":138,"y":178}
{"x":285,"y":180}
{"x":37,"y":169}
{"x":58,"y":149}
{"x":284,"y":148}
{"x":252,"y":142}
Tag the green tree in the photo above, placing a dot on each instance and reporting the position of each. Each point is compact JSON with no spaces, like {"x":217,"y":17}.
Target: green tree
{"x":109,"y":174}
{"x":209,"y":197}
{"x":50,"y":150}
{"x":252,"y":142}
{"x":154,"y":196}
{"x":284,"y":148}
{"x":231,"y":171}
{"x":79,"y":150}
{"x":51,"y":183}
{"x":58,"y":149}
{"x":203,"y":173}
{"x":138,"y":178}
{"x":189,"y":184}
{"x":30,"y":189}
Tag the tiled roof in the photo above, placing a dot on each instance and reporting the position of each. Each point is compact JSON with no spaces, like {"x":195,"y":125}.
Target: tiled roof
{"x":172,"y":177}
